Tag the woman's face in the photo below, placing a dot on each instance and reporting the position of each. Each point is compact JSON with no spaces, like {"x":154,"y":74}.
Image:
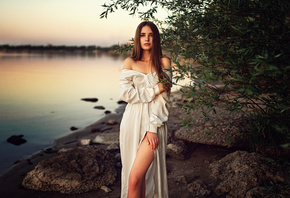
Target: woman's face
{"x":146,"y":38}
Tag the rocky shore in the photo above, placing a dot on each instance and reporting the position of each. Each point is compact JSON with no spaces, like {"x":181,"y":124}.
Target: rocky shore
{"x":201,"y":162}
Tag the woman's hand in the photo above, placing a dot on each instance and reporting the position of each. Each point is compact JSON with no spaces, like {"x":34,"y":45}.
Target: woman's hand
{"x":165,"y":84}
{"x":152,"y":140}
{"x":164,"y":87}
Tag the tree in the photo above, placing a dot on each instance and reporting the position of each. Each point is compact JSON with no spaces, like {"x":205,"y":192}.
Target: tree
{"x":237,"y":54}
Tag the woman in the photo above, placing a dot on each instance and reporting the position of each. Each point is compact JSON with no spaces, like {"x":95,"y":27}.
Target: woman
{"x":143,"y":130}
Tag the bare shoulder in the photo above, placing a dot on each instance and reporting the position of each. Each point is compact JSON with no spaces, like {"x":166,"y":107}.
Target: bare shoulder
{"x":166,"y":62}
{"x":128,"y":63}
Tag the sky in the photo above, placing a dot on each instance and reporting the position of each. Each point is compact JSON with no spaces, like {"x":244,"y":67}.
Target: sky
{"x":64,"y":22}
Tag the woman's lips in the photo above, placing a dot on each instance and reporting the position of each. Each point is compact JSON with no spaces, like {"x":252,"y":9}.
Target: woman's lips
{"x":147,"y":44}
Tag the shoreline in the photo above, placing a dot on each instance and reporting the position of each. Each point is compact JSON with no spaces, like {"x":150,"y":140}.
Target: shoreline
{"x":10,"y":180}
{"x":189,"y":176}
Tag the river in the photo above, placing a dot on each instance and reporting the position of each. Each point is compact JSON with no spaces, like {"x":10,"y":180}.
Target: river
{"x":40,"y":97}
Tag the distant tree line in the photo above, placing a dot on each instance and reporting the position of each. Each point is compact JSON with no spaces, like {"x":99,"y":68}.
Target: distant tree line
{"x":55,"y":48}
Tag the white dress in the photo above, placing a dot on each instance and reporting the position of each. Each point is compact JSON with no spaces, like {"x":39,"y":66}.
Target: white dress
{"x":146,"y":111}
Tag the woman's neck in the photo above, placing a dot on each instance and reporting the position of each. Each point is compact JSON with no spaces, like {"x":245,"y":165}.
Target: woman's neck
{"x":146,"y":56}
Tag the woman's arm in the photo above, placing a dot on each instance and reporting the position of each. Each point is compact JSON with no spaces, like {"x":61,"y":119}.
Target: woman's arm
{"x":159,"y":112}
{"x":131,"y":94}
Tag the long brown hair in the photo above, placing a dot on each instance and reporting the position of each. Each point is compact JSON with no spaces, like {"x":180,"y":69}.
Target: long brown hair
{"x":156,"y":52}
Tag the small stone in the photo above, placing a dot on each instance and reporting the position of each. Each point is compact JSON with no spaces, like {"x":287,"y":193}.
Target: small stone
{"x":198,"y":189}
{"x":63,"y":150}
{"x":49,"y":151}
{"x":121,"y":102}
{"x":90,"y":99}
{"x":177,"y":150}
{"x":107,"y":112}
{"x":107,"y":138}
{"x":84,"y":142}
{"x":106,"y":189}
{"x":113,"y":147}
{"x":181,"y":179}
{"x":16,"y":140}
{"x":29,"y":162}
{"x":73,"y":128}
{"x":95,"y":130}
{"x":119,"y":165}
{"x":118,"y":156}
{"x":98,"y":140}
{"x":99,"y":107}
{"x":106,"y":128}
{"x":112,"y":122}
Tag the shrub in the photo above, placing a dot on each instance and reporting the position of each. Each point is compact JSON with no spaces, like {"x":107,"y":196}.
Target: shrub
{"x":236,"y":53}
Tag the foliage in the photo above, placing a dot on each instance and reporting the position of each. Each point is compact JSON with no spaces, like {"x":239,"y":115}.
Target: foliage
{"x":236,"y":53}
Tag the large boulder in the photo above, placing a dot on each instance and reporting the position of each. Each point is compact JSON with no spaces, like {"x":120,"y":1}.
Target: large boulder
{"x":241,"y":174}
{"x":216,"y":130}
{"x":72,"y":172}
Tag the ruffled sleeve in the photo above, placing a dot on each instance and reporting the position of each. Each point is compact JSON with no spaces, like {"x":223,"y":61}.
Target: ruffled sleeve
{"x":159,"y":111}
{"x":131,"y":94}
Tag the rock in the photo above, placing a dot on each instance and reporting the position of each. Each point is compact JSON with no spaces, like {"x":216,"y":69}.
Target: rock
{"x":63,"y":150}
{"x":73,"y":128}
{"x":262,"y":192}
{"x":49,"y":151}
{"x":90,"y":99}
{"x":106,"y":189}
{"x":112,"y":122}
{"x":76,"y":171}
{"x":99,"y":107}
{"x":113,"y":147}
{"x":239,"y":172}
{"x":121,"y":102}
{"x":177,"y":150}
{"x":29,"y":162}
{"x":95,"y":130}
{"x":84,"y":142}
{"x":107,"y":138}
{"x":198,"y":189}
{"x":16,"y":162}
{"x":106,"y":128}
{"x":118,"y":157}
{"x":181,"y":179}
{"x":216,"y":131}
{"x":107,"y":112}
{"x":16,"y":140}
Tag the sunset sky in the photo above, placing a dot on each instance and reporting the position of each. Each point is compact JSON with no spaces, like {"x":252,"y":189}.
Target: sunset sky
{"x":64,"y":22}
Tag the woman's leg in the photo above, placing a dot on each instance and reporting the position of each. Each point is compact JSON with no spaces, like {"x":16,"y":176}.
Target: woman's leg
{"x":144,"y":158}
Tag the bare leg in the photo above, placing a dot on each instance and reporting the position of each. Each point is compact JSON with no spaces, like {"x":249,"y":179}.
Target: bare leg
{"x":144,"y":158}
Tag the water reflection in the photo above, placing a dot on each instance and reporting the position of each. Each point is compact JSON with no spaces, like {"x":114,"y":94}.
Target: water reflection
{"x":40,"y":96}
{"x":65,"y":54}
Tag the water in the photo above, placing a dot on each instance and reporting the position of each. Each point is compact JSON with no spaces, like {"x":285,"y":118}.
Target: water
{"x":40,"y":97}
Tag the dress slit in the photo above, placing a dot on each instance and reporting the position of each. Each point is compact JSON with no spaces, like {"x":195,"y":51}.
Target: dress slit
{"x":143,"y":103}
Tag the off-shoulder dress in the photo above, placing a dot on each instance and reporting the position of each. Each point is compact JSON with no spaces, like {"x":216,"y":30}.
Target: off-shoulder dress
{"x":146,"y":111}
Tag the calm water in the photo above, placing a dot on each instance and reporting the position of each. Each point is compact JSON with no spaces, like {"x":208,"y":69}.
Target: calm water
{"x":40,"y":97}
